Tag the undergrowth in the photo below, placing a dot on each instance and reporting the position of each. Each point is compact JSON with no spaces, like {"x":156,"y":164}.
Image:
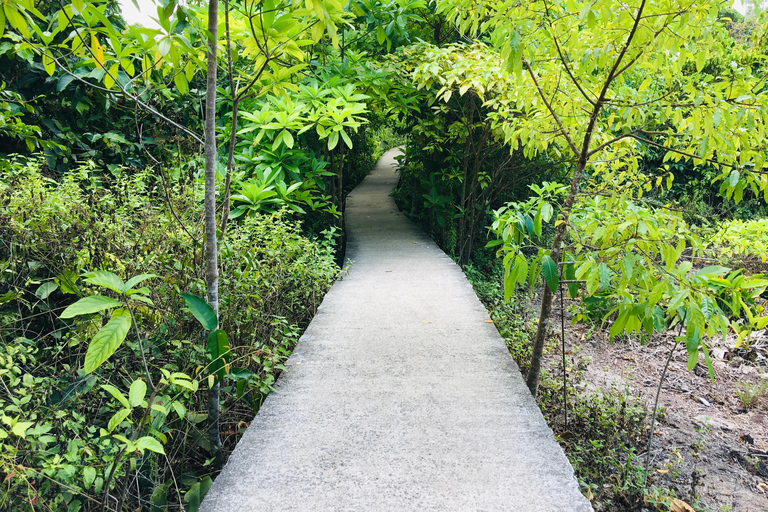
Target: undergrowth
{"x":605,"y":429}
{"x":132,"y":433}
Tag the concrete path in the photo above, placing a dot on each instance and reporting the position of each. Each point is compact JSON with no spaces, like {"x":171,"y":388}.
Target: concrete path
{"x":400,"y":396}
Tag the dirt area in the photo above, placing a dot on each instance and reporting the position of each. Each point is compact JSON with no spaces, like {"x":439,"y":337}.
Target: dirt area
{"x":709,"y":449}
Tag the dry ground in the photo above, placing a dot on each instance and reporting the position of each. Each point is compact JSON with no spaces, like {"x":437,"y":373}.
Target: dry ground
{"x":708,"y":448}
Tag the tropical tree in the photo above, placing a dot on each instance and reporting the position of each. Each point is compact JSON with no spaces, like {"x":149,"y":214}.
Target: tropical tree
{"x":598,"y":81}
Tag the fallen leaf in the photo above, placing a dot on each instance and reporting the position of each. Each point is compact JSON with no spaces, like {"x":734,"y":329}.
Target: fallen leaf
{"x":681,"y":506}
{"x":389,"y":271}
{"x":489,"y":321}
{"x":762,"y":486}
{"x":657,"y":432}
{"x":425,"y":322}
{"x":663,"y":471}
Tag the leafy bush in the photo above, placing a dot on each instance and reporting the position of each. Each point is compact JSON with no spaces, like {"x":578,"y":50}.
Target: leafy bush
{"x":131,"y":433}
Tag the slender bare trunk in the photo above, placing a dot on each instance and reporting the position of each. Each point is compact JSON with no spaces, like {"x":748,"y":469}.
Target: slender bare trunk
{"x":211,"y":262}
{"x":532,"y":379}
{"x":233,"y":131}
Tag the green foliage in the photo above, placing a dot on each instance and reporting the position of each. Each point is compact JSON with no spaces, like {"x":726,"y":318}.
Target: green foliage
{"x":737,"y":238}
{"x":629,"y":257}
{"x":605,"y":427}
{"x":68,"y":252}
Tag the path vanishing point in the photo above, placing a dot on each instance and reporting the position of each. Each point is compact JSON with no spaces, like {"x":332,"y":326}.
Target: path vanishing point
{"x":400,"y":396}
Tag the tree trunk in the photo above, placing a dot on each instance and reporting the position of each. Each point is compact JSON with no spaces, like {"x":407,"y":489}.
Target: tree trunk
{"x":233,"y":131}
{"x":532,"y":379}
{"x":211,"y":262}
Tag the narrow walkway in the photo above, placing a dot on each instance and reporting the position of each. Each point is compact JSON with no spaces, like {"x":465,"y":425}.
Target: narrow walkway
{"x":400,"y":396}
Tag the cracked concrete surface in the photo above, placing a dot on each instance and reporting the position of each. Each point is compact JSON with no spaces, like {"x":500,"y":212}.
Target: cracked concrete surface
{"x":400,"y":396}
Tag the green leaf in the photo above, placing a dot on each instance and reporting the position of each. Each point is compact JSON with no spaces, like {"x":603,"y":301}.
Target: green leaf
{"x":151,"y":444}
{"x":106,"y":280}
{"x":137,"y":392}
{"x":218,"y":351}
{"x":713,"y":271}
{"x":549,"y":271}
{"x":107,"y":340}
{"x":693,"y":358}
{"x":605,"y":276}
{"x":268,"y":13}
{"x":569,"y":273}
{"x":159,"y":499}
{"x":181,"y":83}
{"x":20,"y":428}
{"x":46,"y":289}
{"x":89,"y":475}
{"x":695,"y":317}
{"x":194,"y":497}
{"x":333,"y":140}
{"x":677,"y":299}
{"x":132,"y":282}
{"x":90,"y":305}
{"x":657,"y":292}
{"x":202,"y":311}
{"x":48,"y":63}
{"x":117,"y":419}
{"x":120,"y":397}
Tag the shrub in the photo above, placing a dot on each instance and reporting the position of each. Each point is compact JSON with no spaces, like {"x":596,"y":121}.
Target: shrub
{"x":131,"y":432}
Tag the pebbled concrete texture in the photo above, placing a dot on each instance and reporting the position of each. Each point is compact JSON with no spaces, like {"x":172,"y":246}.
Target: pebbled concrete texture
{"x":400,"y":396}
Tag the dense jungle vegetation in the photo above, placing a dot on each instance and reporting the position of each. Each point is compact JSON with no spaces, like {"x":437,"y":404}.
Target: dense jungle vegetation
{"x":171,"y":208}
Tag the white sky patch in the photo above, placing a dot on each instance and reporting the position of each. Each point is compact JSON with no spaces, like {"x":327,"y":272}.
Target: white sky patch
{"x":142,"y":16}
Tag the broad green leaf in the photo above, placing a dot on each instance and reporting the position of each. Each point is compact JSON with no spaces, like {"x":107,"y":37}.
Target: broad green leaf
{"x":46,"y":289}
{"x":569,"y":273}
{"x":177,"y":406}
{"x":693,"y":358}
{"x":119,"y":396}
{"x":117,"y":419}
{"x":151,"y":444}
{"x":201,"y":310}
{"x":137,"y":392}
{"x":90,"y":305}
{"x":695,"y":317}
{"x":89,"y":475}
{"x":549,"y":271}
{"x":48,"y":63}
{"x":218,"y":351}
{"x":16,"y":19}
{"x":107,"y":340}
{"x":159,"y":499}
{"x":105,"y":279}
{"x":677,"y":299}
{"x":605,"y":276}
{"x":657,"y":292}
{"x":20,"y":428}
{"x":713,"y":271}
{"x":181,"y":83}
{"x":194,"y":497}
{"x":268,"y":14}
